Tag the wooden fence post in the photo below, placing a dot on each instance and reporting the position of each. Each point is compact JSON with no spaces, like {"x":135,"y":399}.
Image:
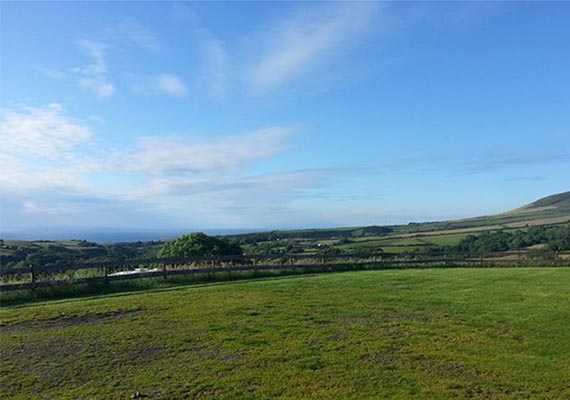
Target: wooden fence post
{"x":33,"y":276}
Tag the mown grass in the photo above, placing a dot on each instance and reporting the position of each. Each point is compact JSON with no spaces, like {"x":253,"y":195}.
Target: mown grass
{"x":406,"y":334}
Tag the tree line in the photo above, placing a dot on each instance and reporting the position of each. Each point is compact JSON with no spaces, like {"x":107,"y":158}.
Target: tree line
{"x":553,"y":238}
{"x":22,"y":254}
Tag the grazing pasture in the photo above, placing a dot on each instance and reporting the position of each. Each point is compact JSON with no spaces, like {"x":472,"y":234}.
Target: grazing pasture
{"x":402,"y":334}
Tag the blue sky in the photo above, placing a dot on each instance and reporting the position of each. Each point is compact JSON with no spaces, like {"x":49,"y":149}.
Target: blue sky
{"x":274,"y":115}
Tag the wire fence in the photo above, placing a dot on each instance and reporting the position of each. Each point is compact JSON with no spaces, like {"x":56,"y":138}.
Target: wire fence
{"x":39,"y":276}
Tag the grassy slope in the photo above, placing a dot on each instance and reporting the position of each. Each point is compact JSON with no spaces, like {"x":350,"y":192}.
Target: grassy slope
{"x":488,"y":334}
{"x":546,"y":211}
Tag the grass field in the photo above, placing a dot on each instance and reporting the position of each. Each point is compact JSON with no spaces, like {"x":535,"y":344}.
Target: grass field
{"x":405,"y":243}
{"x":409,"y":334}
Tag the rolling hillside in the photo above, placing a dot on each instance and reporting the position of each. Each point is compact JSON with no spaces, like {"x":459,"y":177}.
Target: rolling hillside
{"x":551,"y":210}
{"x":548,"y":210}
{"x":556,"y":205}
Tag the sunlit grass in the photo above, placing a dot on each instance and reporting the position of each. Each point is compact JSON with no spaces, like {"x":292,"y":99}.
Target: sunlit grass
{"x":465,"y":333}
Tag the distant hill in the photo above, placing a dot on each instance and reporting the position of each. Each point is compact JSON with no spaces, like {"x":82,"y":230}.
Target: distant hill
{"x":559,"y":201}
{"x":545,"y":211}
{"x":549,"y":210}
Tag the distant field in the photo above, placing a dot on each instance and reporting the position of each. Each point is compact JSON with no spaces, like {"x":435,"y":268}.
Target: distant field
{"x":404,"y":243}
{"x":410,"y":334}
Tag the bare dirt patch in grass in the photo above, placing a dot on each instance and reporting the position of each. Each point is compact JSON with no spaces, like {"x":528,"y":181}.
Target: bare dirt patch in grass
{"x":69,"y":321}
{"x":409,"y":317}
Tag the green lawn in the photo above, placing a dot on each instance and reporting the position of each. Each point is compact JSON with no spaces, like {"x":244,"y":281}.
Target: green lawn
{"x":408,"y":334}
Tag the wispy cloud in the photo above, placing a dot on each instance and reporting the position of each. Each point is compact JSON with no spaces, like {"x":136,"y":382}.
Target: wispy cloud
{"x":470,"y":164}
{"x":93,"y":76}
{"x":54,"y":167}
{"x":23,"y":176}
{"x":300,"y":42}
{"x":527,"y":178}
{"x":174,"y":155}
{"x":164,"y":84}
{"x":171,"y":85}
{"x":133,"y":33}
{"x":215,"y":72}
{"x":33,"y":207}
{"x":51,"y":73}
{"x":44,"y":149}
{"x":530,"y":160}
{"x":234,"y":199}
{"x":498,"y":163}
{"x":41,"y":132}
{"x":236,"y":188}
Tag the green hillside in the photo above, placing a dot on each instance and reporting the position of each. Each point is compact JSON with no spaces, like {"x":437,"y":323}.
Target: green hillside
{"x":559,"y":201}
{"x":551,"y":210}
{"x":548,"y":210}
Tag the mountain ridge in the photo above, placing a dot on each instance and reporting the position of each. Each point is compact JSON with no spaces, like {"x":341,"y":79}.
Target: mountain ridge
{"x":560,"y":199}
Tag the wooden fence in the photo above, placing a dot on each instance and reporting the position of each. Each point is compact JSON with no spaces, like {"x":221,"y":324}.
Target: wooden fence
{"x":37,"y":276}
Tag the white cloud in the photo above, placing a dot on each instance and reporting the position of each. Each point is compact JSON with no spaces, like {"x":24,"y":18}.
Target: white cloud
{"x":171,"y":85}
{"x":166,"y":84}
{"x":20,"y":176}
{"x":236,"y":200}
{"x":43,"y":149}
{"x":33,"y":207}
{"x":172,"y":156}
{"x":93,"y":76}
{"x":233,"y":186}
{"x":214,"y":74}
{"x":53,"y":168}
{"x":41,"y":132}
{"x":302,"y":41}
{"x":215,"y":71}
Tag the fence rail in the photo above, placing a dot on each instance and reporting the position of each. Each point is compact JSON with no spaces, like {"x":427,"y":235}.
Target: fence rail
{"x":37,"y":276}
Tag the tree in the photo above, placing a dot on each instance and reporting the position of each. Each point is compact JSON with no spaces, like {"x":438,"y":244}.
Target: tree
{"x":199,"y":244}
